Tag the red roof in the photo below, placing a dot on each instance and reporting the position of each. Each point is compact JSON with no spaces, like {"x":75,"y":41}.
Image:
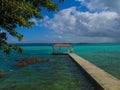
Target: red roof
{"x":63,"y":45}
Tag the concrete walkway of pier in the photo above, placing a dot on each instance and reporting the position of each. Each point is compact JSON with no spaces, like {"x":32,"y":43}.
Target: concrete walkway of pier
{"x":105,"y":80}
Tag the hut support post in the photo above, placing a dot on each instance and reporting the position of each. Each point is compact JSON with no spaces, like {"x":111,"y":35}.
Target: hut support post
{"x":52,"y":49}
{"x":60,"y":49}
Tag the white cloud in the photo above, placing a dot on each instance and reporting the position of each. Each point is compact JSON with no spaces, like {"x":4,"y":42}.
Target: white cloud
{"x":101,"y":4}
{"x":97,"y":27}
{"x":114,"y":4}
{"x":93,"y":4}
{"x":35,"y":21}
{"x":72,"y":25}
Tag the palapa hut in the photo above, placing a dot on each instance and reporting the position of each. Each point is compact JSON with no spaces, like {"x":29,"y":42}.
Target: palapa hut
{"x":62,"y":49}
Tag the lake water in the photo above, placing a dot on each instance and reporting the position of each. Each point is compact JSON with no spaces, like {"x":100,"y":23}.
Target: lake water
{"x":60,"y":73}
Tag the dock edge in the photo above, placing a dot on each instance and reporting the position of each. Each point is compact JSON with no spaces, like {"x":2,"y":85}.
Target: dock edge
{"x":105,"y":80}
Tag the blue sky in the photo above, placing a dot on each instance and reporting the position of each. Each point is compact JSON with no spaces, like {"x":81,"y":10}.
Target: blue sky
{"x":78,"y":21}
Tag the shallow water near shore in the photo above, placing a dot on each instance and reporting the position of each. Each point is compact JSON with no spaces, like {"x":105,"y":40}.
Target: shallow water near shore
{"x":60,"y":73}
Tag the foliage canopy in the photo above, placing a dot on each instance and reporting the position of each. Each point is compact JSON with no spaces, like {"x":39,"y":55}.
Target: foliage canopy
{"x":14,"y":13}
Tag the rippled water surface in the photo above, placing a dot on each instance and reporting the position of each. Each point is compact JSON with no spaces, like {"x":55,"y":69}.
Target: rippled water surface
{"x":60,"y":73}
{"x":105,"y":56}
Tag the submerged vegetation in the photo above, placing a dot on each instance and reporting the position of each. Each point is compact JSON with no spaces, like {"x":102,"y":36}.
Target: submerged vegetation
{"x":3,"y":74}
{"x":30,"y":60}
{"x":60,"y":73}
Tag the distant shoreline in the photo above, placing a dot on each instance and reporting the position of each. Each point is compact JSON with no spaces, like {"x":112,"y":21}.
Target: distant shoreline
{"x":50,"y":44}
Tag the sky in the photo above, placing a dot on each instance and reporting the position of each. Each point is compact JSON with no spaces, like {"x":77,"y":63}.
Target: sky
{"x":77,"y":21}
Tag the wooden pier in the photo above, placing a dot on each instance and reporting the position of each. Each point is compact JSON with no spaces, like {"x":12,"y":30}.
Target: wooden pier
{"x":102,"y":78}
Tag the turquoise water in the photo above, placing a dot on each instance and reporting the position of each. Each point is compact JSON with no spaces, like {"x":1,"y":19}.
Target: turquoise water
{"x":105,"y":56}
{"x":60,"y":73}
